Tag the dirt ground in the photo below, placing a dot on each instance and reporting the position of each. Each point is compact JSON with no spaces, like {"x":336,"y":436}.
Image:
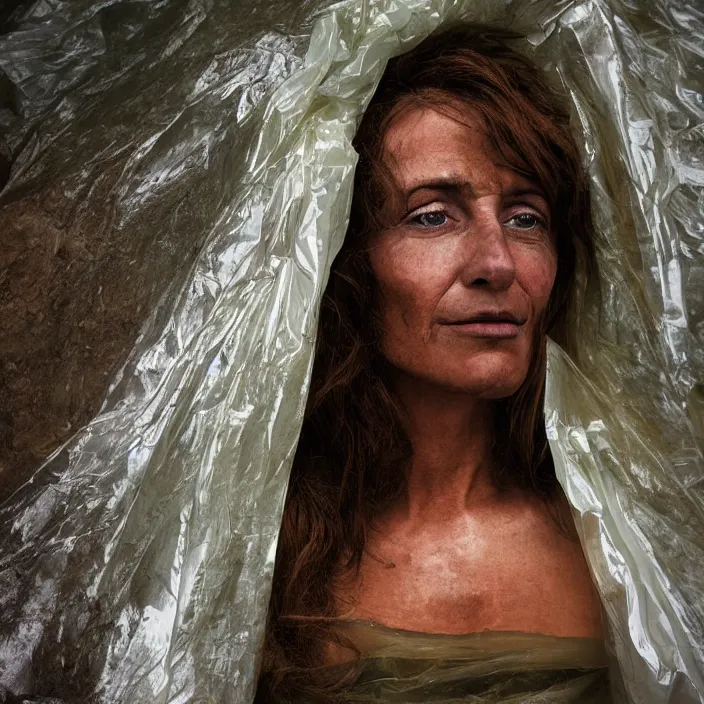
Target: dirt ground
{"x":74,"y":292}
{"x":58,"y":348}
{"x":65,"y":325}
{"x":74,"y":287}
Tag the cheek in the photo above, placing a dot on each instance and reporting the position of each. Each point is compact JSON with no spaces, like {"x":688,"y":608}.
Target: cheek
{"x":412,"y":278}
{"x":536,"y":271}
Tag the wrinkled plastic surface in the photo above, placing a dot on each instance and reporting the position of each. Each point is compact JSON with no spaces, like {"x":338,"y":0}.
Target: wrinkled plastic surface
{"x":502,"y":668}
{"x":136,"y":566}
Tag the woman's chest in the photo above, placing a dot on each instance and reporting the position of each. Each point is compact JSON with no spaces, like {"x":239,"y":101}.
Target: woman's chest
{"x":466,"y":579}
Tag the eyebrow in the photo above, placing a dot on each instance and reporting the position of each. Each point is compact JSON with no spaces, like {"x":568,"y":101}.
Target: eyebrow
{"x":447,"y":183}
{"x":454,"y":185}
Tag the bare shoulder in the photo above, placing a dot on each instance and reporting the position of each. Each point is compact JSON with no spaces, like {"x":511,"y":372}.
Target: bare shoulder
{"x":513,"y":566}
{"x":543,"y":551}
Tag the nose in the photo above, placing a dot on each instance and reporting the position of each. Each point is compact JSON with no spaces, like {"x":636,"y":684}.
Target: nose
{"x":487,"y":260}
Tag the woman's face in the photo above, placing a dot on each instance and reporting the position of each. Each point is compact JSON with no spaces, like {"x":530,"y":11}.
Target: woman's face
{"x":467,"y":263}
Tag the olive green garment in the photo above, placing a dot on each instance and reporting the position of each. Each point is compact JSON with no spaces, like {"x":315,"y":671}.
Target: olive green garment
{"x":404,"y":666}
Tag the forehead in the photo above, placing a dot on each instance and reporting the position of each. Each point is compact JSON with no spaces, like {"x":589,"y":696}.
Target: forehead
{"x":423,"y":144}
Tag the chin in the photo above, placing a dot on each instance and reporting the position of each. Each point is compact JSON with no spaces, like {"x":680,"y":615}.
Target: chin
{"x":489,"y":389}
{"x":492,"y":381}
{"x":490,"y":376}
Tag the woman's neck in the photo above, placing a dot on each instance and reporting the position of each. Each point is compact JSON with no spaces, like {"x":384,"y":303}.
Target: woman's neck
{"x":451,"y":435}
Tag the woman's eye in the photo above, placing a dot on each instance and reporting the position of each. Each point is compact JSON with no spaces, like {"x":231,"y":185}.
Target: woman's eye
{"x":526,"y":221}
{"x":435,"y":218}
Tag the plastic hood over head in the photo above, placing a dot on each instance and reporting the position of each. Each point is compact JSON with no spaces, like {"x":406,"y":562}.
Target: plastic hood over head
{"x":136,"y":565}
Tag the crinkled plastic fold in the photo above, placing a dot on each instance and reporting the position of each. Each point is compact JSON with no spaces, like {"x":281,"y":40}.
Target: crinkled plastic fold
{"x":136,"y":565}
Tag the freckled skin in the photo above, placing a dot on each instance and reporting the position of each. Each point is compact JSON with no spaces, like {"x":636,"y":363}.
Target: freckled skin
{"x":456,"y":556}
{"x":504,"y":568}
{"x":428,"y":275}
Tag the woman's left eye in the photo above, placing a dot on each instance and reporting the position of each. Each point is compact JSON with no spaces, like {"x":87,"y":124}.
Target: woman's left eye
{"x":526,"y":221}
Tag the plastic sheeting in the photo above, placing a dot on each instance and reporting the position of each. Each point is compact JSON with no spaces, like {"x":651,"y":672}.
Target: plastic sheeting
{"x":136,"y":565}
{"x":502,"y":668}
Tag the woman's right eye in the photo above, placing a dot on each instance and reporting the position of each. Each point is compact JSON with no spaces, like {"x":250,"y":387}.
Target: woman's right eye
{"x":433,"y":218}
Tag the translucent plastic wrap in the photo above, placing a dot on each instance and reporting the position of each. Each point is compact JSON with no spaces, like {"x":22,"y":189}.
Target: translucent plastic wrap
{"x":136,"y":565}
{"x":511,"y":668}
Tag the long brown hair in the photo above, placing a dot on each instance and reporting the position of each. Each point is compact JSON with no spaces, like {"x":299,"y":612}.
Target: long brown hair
{"x":352,"y":453}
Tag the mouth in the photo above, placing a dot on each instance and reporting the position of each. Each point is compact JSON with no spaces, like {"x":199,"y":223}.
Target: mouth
{"x":489,"y":324}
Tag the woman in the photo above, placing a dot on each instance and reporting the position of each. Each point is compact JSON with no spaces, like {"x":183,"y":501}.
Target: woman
{"x":423,"y":497}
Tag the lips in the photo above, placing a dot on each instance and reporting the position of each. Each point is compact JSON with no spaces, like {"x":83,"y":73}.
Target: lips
{"x":490,"y":324}
{"x":501,"y":316}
